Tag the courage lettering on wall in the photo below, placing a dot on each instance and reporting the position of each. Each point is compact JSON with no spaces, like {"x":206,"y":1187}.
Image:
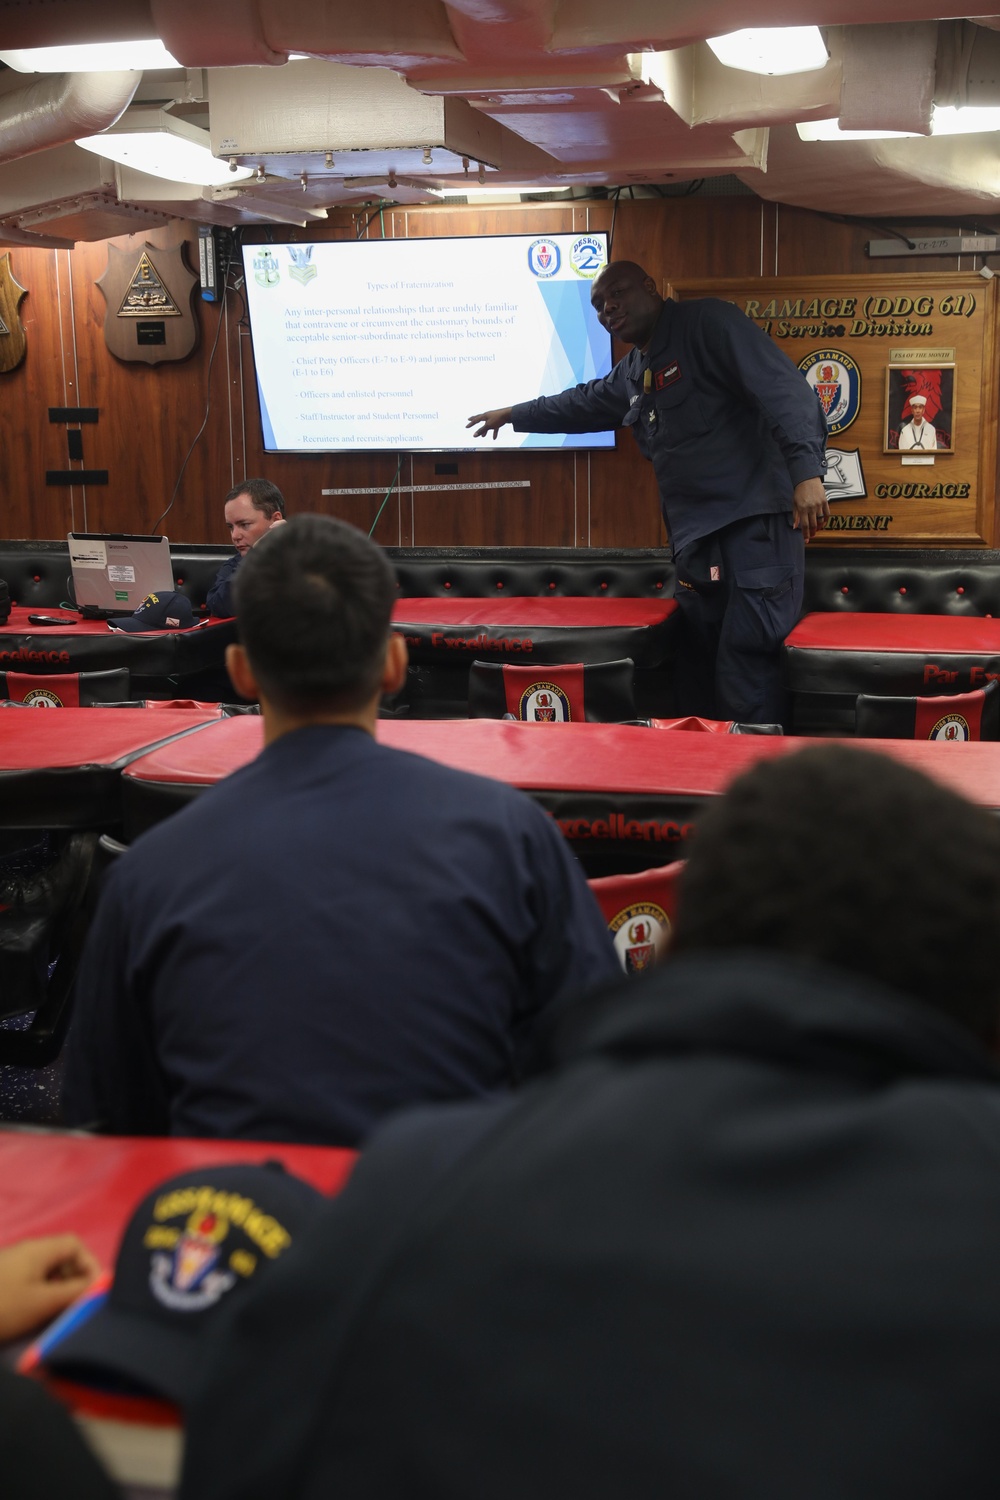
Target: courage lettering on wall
{"x":905,"y":369}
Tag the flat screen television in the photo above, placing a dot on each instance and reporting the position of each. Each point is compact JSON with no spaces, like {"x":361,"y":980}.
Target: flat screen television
{"x":392,"y":344}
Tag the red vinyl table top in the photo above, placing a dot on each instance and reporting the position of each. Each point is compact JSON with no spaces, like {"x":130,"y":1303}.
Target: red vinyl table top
{"x":18,"y":624}
{"x":37,"y":739}
{"x":504,"y":609}
{"x":573,"y":757}
{"x":53,"y":1182}
{"x":953,"y":634}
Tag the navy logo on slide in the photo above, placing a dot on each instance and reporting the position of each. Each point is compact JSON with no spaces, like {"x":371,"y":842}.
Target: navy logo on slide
{"x":836,"y":380}
{"x":543,"y":258}
{"x":587,"y":256}
{"x":265,"y":268}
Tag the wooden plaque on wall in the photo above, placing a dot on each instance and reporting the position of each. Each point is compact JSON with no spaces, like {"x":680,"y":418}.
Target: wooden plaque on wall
{"x":149,"y":294}
{"x":12,"y":339}
{"x":869,"y":345}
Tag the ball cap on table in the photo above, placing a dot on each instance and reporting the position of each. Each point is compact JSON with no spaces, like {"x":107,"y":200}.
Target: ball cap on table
{"x":192,"y":1245}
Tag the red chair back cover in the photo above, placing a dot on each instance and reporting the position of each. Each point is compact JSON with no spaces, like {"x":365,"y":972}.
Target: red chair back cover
{"x":639,"y":910}
{"x":553,"y":693}
{"x":951,"y":718}
{"x":65,"y":689}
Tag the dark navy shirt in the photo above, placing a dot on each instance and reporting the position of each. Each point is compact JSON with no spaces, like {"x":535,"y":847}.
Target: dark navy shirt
{"x":335,"y":930}
{"x":729,"y":424}
{"x":220,"y":595}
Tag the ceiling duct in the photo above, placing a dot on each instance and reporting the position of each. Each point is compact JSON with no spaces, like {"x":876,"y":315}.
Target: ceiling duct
{"x":888,"y":77}
{"x":968,"y":65}
{"x":57,"y":108}
{"x":355,"y":120}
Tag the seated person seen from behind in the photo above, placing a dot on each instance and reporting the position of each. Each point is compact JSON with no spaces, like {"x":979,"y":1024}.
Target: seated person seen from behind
{"x":338,"y":928}
{"x":741,"y":1243}
{"x":251,"y":510}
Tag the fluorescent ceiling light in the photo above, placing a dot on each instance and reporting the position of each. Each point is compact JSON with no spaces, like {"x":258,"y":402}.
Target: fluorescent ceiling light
{"x":774,"y":49}
{"x":970,"y":120}
{"x":93,"y":57}
{"x":829,"y":130}
{"x":476,"y":190}
{"x":152,"y":141}
{"x":945,"y":120}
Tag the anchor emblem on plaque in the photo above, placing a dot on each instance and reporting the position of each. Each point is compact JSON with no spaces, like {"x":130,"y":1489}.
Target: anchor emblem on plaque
{"x":149,"y":316}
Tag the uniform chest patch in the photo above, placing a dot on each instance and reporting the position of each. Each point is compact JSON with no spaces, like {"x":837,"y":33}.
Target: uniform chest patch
{"x":668,"y":375}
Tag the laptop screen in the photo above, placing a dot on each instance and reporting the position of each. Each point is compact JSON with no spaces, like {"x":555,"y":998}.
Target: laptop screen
{"x":113,"y":572}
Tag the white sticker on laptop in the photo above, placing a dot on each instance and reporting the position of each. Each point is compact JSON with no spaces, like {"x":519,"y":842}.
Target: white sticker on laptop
{"x":88,"y":555}
{"x":121,"y":573}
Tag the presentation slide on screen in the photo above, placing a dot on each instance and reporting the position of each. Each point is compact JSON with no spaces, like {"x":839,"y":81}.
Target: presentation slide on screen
{"x":395,"y":343}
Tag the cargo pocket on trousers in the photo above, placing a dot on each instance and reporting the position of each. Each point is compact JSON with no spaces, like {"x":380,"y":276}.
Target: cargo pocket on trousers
{"x":764,"y":605}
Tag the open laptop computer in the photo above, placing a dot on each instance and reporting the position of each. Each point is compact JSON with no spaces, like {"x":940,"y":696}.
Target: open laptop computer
{"x":112,"y":573}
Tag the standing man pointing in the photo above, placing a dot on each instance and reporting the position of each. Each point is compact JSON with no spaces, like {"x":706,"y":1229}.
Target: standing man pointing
{"x":737,"y":441}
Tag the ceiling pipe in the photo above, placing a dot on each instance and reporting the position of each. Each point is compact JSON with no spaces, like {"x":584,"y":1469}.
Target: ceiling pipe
{"x":55,"y":109}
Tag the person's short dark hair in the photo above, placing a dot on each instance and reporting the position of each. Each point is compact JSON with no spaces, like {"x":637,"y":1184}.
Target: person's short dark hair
{"x":264,"y":496}
{"x":313,"y":602}
{"x":850,"y":857}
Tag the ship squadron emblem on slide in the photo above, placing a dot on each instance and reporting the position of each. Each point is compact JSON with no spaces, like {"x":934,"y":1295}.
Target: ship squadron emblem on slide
{"x":302,"y":268}
{"x":543,"y":258}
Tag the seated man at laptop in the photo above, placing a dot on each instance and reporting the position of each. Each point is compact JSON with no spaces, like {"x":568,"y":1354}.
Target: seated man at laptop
{"x":251,"y":509}
{"x":338,"y":928}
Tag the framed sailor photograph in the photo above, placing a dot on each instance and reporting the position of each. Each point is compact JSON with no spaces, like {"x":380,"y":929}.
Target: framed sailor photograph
{"x":919,"y":410}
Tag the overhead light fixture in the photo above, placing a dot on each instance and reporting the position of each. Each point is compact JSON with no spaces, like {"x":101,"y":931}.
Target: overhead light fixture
{"x":971,"y":119}
{"x":773,"y":50}
{"x":92,"y":57}
{"x":945,"y":120}
{"x":829,"y":130}
{"x":150,"y":140}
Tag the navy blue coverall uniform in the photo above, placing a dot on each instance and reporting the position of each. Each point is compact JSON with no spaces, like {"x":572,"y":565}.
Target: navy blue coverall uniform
{"x":365,"y":929}
{"x":220,"y":595}
{"x":730,"y":427}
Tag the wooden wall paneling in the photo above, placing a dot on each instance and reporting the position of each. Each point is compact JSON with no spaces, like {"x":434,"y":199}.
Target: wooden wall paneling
{"x":499,"y":512}
{"x":29,"y":443}
{"x":674,"y":238}
{"x":988,"y":510}
{"x":625,"y":502}
{"x":150,"y":415}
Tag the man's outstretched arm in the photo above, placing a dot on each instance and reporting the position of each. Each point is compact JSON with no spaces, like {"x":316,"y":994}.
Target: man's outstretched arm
{"x":492,"y":421}
{"x":596,"y":406}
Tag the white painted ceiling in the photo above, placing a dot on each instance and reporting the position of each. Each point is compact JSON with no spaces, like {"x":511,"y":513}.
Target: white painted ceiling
{"x":400,"y":100}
